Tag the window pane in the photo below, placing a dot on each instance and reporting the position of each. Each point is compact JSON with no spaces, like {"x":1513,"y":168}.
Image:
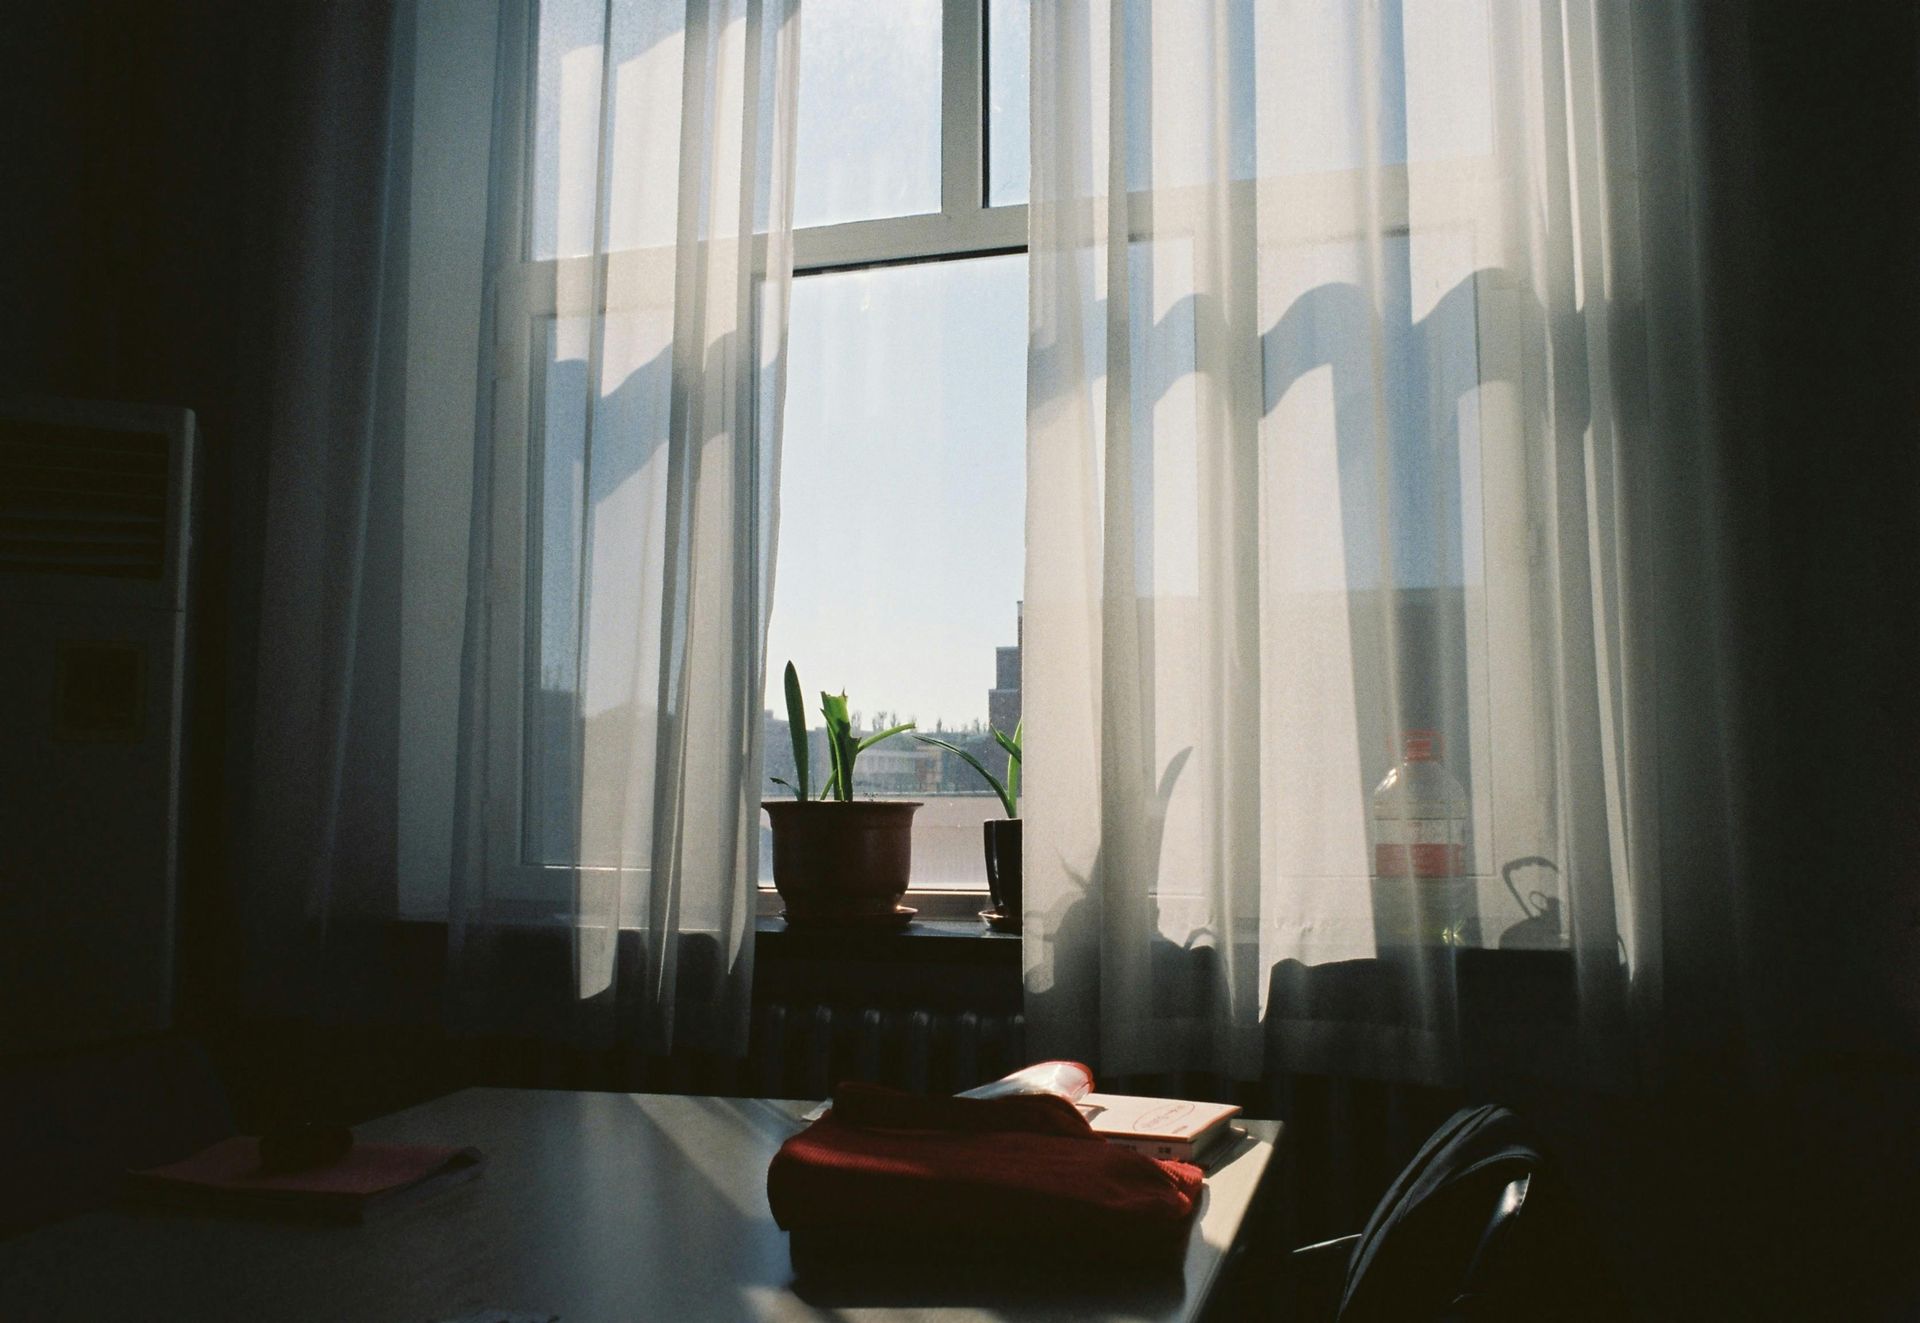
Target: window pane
{"x":642,"y":43}
{"x":596,"y":483}
{"x":869,"y":120}
{"x":1007,"y":46}
{"x":566,"y":127}
{"x":902,"y":517}
{"x":552,"y":713}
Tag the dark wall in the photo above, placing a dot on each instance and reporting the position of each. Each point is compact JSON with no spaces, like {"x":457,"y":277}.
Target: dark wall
{"x":1841,"y":351}
{"x":120,"y":229}
{"x":1838,"y":442}
{"x":1787,"y":1158}
{"x":122,"y":248}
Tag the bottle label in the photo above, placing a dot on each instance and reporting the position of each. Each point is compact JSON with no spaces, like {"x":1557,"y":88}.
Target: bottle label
{"x":1421,"y":859}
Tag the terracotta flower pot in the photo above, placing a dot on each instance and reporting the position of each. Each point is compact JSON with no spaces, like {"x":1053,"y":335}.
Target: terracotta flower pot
{"x":841,"y":860}
{"x":1001,"y":837}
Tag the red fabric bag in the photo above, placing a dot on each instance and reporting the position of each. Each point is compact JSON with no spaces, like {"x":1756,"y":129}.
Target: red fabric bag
{"x":1021,"y":1176}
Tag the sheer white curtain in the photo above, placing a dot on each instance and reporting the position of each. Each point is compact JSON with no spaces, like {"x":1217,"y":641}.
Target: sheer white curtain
{"x":1348,"y":388}
{"x":512,"y":394}
{"x":319,"y":416}
{"x":622,"y":532}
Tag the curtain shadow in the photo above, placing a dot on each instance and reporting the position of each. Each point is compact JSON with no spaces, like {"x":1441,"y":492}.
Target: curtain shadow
{"x":1409,"y":657}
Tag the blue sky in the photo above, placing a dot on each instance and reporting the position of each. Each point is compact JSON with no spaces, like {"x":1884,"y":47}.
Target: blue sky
{"x":902,"y":506}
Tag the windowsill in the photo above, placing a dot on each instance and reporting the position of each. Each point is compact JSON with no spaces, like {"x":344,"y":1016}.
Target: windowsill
{"x":919,"y":931}
{"x":932,"y":906}
{"x":932,"y":928}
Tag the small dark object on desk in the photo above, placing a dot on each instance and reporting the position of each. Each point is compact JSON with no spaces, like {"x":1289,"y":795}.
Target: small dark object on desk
{"x":303,"y":1146}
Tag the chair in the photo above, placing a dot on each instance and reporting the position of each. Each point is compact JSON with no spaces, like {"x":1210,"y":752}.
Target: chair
{"x":1477,"y":1227}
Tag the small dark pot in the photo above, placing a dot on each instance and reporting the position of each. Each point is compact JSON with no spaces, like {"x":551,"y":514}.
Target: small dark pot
{"x":1002,"y":839}
{"x":841,"y":860}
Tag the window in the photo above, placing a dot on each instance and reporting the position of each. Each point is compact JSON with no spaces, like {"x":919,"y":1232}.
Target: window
{"x":905,"y":398}
{"x":906,"y":391}
{"x":902,"y":510}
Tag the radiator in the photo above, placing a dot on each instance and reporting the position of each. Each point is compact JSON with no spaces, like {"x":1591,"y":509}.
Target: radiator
{"x":1346,"y":1141}
{"x":804,"y":1049}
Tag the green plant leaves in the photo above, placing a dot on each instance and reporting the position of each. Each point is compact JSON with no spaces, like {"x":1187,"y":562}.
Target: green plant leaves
{"x":833,"y":707}
{"x":844,"y":747}
{"x":875,"y":738}
{"x":1012,"y":746}
{"x":797,"y":732}
{"x":1006,"y":795}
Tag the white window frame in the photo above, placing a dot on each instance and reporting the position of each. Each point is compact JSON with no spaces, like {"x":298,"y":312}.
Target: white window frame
{"x":964,"y":226}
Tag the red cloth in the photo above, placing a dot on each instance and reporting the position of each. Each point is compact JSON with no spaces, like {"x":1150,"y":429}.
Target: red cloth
{"x":1024,"y":1170}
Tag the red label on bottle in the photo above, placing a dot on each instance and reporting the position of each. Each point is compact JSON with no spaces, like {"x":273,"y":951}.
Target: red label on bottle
{"x":1428,"y":859}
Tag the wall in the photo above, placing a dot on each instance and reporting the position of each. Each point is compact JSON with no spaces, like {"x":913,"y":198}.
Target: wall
{"x":120,"y":247}
{"x":1792,"y":992}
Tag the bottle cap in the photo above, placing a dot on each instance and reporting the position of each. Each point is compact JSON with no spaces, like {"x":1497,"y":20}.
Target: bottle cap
{"x":1420,"y":746}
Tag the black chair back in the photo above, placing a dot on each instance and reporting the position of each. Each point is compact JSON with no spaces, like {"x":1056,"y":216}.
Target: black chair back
{"x":1448,"y":1240}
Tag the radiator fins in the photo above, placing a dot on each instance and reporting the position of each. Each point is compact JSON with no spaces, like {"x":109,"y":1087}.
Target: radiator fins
{"x":804,"y":1050}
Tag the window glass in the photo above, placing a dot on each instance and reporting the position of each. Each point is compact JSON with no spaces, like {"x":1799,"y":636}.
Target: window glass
{"x":1449,"y":79}
{"x":868,"y":131}
{"x":555,"y":495}
{"x":596,"y":502}
{"x":1312,"y":55}
{"x":566,"y":127}
{"x":1008,"y":35}
{"x":645,"y":54}
{"x":902,"y":533}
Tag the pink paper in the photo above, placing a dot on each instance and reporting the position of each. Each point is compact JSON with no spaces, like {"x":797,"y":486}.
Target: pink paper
{"x":367,"y":1169}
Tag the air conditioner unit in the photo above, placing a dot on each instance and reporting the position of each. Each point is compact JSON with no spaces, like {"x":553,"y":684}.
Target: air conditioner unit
{"x":94,"y":538}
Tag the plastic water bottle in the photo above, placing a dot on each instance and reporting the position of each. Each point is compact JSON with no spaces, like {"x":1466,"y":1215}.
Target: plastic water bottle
{"x":1423,"y":887}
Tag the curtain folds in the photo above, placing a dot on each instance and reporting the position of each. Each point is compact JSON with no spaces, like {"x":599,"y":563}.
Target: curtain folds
{"x":1360,"y":352}
{"x":639,"y":261}
{"x":517,"y":376}
{"x":327,"y":172}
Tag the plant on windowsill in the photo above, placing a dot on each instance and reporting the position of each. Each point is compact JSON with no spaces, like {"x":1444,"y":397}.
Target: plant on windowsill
{"x":999,"y":836}
{"x":838,"y":860}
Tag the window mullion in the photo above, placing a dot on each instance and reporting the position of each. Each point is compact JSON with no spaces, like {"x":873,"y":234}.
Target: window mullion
{"x":962,"y":110}
{"x":909,"y":239}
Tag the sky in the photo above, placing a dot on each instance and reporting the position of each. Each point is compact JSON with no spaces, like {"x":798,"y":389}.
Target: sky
{"x":903,"y":479}
{"x":902,"y":489}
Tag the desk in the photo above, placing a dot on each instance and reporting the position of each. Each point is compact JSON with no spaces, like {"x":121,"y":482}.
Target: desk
{"x":592,"y":1206}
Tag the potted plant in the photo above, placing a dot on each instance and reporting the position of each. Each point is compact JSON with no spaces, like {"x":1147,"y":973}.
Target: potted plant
{"x":837,"y":859}
{"x":999,"y":836}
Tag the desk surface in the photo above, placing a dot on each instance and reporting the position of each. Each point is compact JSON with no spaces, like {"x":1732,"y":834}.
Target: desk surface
{"x":592,"y":1206}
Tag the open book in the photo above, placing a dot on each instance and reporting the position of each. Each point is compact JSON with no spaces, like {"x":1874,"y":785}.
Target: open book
{"x":1173,"y":1129}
